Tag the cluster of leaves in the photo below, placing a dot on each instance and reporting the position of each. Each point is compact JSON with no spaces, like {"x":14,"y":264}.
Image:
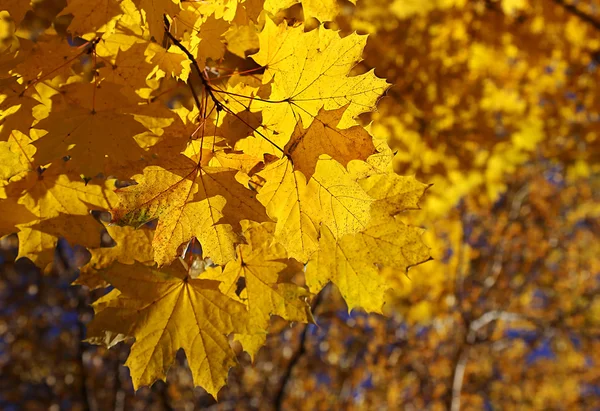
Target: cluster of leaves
{"x":496,"y":102}
{"x":224,"y":175}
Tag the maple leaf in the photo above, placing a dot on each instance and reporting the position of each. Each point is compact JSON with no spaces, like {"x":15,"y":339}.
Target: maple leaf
{"x":352,"y":262}
{"x":235,"y":159}
{"x":91,"y":16}
{"x":288,"y":203}
{"x":15,"y":108}
{"x":309,"y":71}
{"x":189,"y":201}
{"x":130,"y":245}
{"x":79,"y":132}
{"x":128,"y":68}
{"x":208,"y":43}
{"x":240,"y":120}
{"x":393,"y":193}
{"x":13,"y":214}
{"x":323,"y":137}
{"x":61,"y":203}
{"x":323,"y":10}
{"x":153,"y":12}
{"x":221,"y":9}
{"x":378,"y":163}
{"x":260,"y":264}
{"x":16,"y":8}
{"x":171,"y":61}
{"x":14,"y":156}
{"x":343,"y":205}
{"x":164,"y":311}
{"x":46,"y":56}
{"x":242,"y":40}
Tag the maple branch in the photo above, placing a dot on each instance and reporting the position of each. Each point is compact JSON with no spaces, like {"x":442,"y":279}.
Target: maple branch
{"x":206,"y":84}
{"x":297,"y":355}
{"x":195,"y":66}
{"x":182,"y":47}
{"x":227,"y":109}
{"x":578,"y":13}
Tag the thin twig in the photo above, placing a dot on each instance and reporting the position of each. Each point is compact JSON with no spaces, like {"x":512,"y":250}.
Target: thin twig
{"x":195,"y":66}
{"x":190,"y":57}
{"x":462,"y":268}
{"x":210,"y":91}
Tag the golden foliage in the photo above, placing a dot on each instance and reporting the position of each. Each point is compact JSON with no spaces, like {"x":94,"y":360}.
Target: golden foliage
{"x":127,"y":107}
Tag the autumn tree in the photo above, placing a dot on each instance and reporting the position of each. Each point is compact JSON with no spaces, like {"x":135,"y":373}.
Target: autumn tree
{"x":237,"y":157}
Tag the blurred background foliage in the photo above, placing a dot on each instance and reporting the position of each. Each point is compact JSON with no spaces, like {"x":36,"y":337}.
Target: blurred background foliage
{"x":496,"y":103}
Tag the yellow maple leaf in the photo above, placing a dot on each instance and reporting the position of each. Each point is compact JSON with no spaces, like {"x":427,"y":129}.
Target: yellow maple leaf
{"x":171,"y":61}
{"x":15,"y":108}
{"x":153,"y":12}
{"x":242,"y":40}
{"x":323,"y":137}
{"x":189,"y":201}
{"x":91,"y":16}
{"x":16,"y":8}
{"x":130,"y":245}
{"x":208,"y":43}
{"x":342,"y":204}
{"x":14,"y":156}
{"x":285,"y":196}
{"x":237,"y":160}
{"x":394,"y":193}
{"x":79,"y":131}
{"x":129,"y":68}
{"x":323,"y":10}
{"x":60,"y":202}
{"x":46,"y":56}
{"x":260,"y":264}
{"x":310,"y":71}
{"x":13,"y":214}
{"x":165,"y":311}
{"x":353,"y":262}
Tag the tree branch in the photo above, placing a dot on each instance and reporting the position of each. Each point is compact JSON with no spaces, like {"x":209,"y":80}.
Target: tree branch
{"x":458,"y":375}
{"x":206,"y":84}
{"x":195,"y":66}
